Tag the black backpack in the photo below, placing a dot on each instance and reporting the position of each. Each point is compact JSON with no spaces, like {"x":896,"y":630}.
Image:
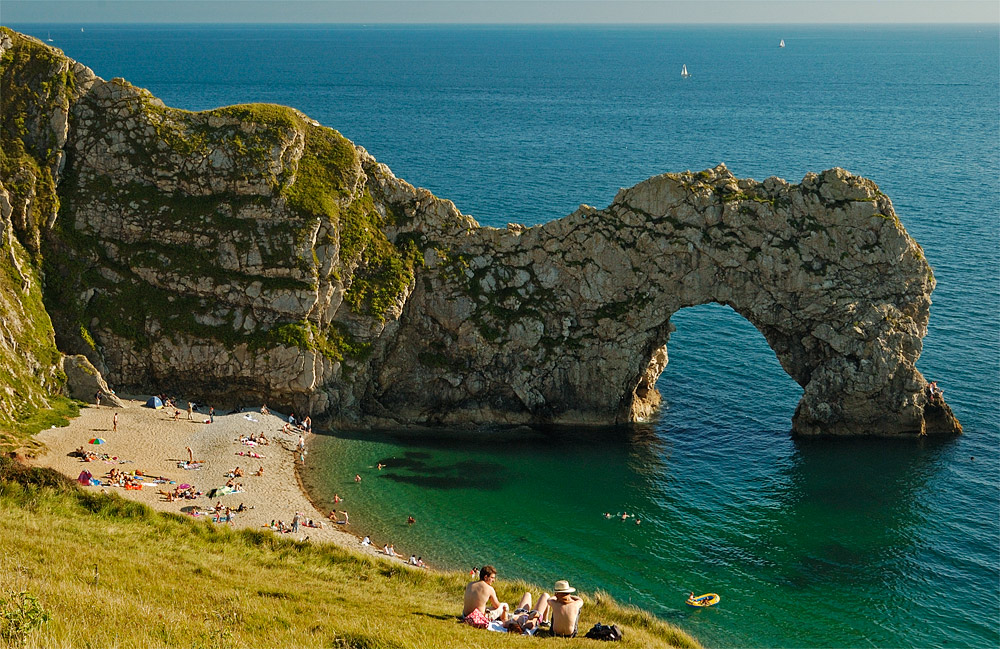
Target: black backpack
{"x":604,"y":632}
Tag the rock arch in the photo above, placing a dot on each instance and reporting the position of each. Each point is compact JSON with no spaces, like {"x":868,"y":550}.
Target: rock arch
{"x":250,"y":254}
{"x":568,"y":322}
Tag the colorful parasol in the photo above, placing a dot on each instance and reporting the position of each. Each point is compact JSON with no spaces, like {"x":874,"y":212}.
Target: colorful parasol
{"x":97,"y":440}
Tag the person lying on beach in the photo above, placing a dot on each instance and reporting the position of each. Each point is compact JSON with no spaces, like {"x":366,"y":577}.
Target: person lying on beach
{"x":259,"y":472}
{"x":480,"y":593}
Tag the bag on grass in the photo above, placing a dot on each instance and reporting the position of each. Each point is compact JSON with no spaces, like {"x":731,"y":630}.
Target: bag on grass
{"x":603,"y":632}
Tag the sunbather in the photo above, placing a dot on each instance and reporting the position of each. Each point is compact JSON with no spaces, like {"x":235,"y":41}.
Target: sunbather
{"x":565,"y":610}
{"x":480,"y":593}
{"x":525,"y":619}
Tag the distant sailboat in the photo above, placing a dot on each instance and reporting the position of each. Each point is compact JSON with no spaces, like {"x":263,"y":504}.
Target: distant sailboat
{"x":782,"y":43}
{"x":684,"y":71}
{"x":49,"y":37}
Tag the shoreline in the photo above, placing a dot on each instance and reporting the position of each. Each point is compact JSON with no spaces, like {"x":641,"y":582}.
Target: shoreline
{"x":153,"y":442}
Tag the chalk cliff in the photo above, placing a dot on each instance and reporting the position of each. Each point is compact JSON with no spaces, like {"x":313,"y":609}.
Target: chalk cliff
{"x":248,"y":254}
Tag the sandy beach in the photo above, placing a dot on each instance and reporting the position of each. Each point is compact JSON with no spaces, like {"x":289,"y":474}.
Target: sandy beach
{"x":153,"y":442}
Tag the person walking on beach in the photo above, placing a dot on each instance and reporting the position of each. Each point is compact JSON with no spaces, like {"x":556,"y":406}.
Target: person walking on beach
{"x":114,"y":424}
{"x":211,"y":415}
{"x":190,"y":410}
{"x":97,"y":399}
{"x":295,"y":522}
{"x":480,"y":593}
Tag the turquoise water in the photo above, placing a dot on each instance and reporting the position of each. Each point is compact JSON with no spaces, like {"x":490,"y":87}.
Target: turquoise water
{"x":866,"y":543}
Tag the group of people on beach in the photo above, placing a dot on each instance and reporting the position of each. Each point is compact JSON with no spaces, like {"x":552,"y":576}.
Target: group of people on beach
{"x":559,"y":615}
{"x":299,"y":520}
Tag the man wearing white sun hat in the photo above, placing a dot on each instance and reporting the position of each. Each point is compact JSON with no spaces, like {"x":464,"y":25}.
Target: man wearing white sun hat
{"x":565,"y":609}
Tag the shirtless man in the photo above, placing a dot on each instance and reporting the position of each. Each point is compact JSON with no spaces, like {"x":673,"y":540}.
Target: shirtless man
{"x":480,"y":593}
{"x":565,"y":609}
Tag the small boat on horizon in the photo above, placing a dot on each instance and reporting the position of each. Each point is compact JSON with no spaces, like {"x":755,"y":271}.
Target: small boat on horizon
{"x":48,"y":37}
{"x":684,"y":71}
{"x":782,"y":43}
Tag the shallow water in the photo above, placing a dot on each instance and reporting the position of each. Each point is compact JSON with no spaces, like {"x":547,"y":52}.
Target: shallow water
{"x":810,"y":543}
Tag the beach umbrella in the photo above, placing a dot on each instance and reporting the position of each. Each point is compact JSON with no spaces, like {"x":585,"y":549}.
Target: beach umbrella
{"x":185,"y":486}
{"x":97,"y":440}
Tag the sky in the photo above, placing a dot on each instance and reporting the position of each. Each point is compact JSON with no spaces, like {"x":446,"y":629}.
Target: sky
{"x":500,"y":11}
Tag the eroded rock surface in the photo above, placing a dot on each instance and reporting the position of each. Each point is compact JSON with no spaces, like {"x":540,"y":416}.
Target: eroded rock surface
{"x":249,"y":255}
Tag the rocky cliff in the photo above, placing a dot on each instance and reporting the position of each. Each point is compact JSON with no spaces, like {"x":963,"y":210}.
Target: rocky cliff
{"x":248,"y":254}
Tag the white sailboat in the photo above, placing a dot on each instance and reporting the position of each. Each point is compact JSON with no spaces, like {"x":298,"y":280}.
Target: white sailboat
{"x":48,"y":38}
{"x":782,"y":43}
{"x":684,"y":71}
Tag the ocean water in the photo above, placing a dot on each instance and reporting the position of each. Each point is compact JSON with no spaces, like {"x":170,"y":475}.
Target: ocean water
{"x":810,"y":543}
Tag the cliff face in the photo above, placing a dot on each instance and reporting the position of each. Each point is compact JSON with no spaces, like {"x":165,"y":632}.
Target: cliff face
{"x":248,"y":254}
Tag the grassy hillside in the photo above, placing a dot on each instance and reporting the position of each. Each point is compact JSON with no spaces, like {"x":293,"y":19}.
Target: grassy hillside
{"x":167,"y":581}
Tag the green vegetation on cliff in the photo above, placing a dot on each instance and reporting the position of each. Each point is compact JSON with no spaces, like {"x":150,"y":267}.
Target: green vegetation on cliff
{"x":35,"y":81}
{"x":228,"y":588}
{"x":189,"y":218}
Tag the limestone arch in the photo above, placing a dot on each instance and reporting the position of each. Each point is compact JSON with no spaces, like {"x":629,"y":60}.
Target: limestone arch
{"x":567,"y":322}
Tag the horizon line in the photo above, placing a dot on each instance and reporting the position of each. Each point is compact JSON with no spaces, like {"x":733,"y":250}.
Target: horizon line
{"x":505,"y":24}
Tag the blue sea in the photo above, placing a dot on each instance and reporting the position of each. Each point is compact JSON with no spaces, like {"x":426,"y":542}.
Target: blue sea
{"x":810,"y":543}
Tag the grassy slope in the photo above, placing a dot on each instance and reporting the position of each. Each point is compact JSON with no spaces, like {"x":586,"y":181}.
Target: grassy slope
{"x":167,"y":581}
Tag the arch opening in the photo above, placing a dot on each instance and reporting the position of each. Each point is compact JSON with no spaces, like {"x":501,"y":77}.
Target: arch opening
{"x":721,"y":369}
